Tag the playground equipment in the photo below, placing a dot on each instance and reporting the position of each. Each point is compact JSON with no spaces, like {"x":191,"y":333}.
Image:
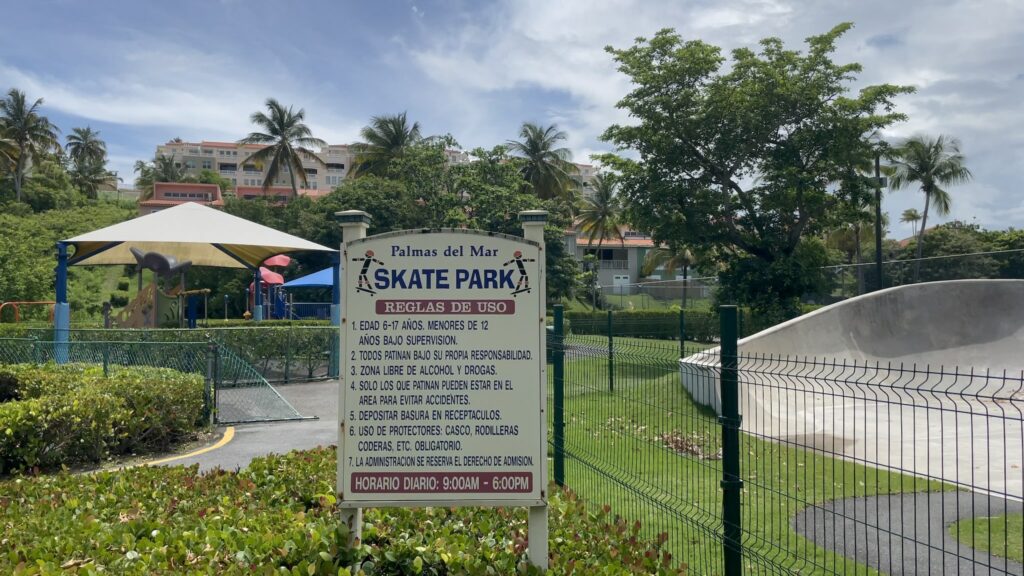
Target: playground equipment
{"x":16,"y":306}
{"x":153,"y":306}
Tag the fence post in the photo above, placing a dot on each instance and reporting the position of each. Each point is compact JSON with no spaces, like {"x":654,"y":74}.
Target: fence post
{"x":732,"y":485}
{"x":682,"y":333}
{"x":611,"y":355}
{"x":558,"y":364}
{"x":106,"y":359}
{"x":287,"y":353}
{"x":35,"y":350}
{"x":209,"y":386}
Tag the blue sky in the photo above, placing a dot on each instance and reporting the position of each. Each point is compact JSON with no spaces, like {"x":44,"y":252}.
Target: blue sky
{"x":145,"y":72}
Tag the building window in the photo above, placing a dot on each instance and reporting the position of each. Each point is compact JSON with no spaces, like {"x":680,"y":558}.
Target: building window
{"x":207,"y":164}
{"x":335,"y":167}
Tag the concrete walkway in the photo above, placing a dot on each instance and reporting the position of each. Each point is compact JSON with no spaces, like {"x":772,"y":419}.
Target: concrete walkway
{"x":318,"y":399}
{"x":907,"y":534}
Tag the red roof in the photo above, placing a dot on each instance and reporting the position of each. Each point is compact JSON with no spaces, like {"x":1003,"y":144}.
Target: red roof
{"x":615,"y":243}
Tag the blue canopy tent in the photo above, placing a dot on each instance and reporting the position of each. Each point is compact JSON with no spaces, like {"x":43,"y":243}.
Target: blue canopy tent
{"x":321,"y":279}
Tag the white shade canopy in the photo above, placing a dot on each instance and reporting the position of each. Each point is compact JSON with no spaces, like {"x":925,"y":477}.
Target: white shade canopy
{"x":189,"y":231}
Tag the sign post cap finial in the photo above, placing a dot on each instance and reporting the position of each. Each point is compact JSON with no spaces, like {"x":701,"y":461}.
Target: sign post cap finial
{"x":528,"y":216}
{"x":352,"y":217}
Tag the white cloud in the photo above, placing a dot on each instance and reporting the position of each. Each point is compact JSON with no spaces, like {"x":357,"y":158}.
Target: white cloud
{"x":963,"y":57}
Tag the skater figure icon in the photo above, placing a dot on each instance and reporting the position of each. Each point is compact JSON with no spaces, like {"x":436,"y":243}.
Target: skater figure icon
{"x":363,"y":284}
{"x":523,"y":285}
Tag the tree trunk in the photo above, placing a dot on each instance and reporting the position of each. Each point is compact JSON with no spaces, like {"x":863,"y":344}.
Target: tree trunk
{"x":19,"y":175}
{"x":295,"y":190}
{"x":920,"y":237}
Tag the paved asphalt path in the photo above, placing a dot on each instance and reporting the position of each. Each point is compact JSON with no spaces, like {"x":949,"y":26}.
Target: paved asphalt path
{"x":907,"y":534}
{"x":318,"y":399}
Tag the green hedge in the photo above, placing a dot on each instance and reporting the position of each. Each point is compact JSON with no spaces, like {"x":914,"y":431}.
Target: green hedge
{"x":71,"y":414}
{"x":280,"y":516}
{"x":123,"y":284}
{"x":700,"y":325}
{"x":280,"y":350}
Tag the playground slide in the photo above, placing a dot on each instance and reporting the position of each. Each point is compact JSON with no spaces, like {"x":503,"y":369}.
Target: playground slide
{"x":906,"y":377}
{"x":139,"y":312}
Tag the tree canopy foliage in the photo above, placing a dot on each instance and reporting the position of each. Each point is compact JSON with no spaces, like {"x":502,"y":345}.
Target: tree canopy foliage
{"x":740,"y":161}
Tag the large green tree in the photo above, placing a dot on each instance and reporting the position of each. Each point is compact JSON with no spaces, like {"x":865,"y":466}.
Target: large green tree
{"x":285,"y":136}
{"x":545,"y":165}
{"x":741,"y":160}
{"x":385,"y":139}
{"x":933,"y":163}
{"x":31,"y":132}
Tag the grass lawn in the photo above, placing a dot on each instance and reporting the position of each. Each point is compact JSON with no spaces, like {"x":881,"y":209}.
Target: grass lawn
{"x":648,"y":451}
{"x":1001,"y":535}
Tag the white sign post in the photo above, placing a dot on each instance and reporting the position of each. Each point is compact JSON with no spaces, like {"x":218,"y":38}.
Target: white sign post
{"x":443,"y":385}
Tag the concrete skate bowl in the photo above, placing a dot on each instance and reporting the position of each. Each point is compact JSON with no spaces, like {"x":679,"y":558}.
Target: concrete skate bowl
{"x":925,"y":378}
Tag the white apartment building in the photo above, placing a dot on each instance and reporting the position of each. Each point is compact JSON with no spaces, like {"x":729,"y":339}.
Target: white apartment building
{"x":228,"y":160}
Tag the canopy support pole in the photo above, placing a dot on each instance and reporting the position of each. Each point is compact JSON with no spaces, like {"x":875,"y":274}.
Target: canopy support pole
{"x":257,"y":313}
{"x":61,"y":310}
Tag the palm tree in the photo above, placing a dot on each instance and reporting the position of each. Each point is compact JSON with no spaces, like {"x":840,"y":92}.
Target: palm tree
{"x":84,"y":146}
{"x":31,"y":133}
{"x":672,"y":259}
{"x":161,"y":169}
{"x":285,"y":135}
{"x":8,"y":154}
{"x":912,"y":216}
{"x":601,"y":214}
{"x":88,"y":176}
{"x":547,"y":168}
{"x":386,"y":138}
{"x":935,"y":163}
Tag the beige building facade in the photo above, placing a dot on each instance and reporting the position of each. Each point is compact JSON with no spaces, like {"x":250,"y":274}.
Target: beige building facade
{"x":228,"y":160}
{"x":335,"y":160}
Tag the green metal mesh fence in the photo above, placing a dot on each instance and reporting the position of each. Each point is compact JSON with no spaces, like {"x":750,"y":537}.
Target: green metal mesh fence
{"x":281,"y":354}
{"x":826,"y":466}
{"x":237,"y":391}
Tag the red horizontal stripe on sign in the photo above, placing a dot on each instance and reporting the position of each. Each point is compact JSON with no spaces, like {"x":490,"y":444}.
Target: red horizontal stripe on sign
{"x":442,"y":482}
{"x":500,"y":307}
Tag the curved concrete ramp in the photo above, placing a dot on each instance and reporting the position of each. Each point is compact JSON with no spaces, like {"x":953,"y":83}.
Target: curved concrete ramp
{"x":925,"y":378}
{"x":967,"y":323}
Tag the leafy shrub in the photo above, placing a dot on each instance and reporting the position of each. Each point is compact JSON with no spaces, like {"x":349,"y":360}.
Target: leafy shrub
{"x":123,"y":284}
{"x":700,"y":325}
{"x":69,"y":414}
{"x":280,"y":516}
{"x":119,"y":299}
{"x":634,"y":323}
{"x":8,"y":388}
{"x":46,"y":432}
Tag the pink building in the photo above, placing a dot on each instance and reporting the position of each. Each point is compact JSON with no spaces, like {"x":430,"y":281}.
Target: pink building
{"x":167,"y":194}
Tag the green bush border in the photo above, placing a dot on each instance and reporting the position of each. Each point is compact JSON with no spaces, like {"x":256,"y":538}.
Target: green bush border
{"x":63,"y":415}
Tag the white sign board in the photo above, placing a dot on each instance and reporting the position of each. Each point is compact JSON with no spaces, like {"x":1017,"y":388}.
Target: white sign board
{"x":443,"y":375}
